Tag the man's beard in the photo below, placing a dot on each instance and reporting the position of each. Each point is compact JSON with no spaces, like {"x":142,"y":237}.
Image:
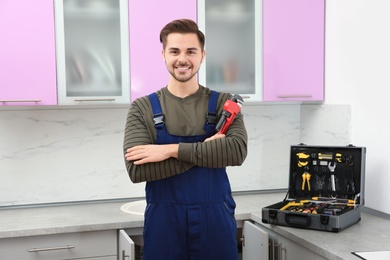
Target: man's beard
{"x":177,"y":76}
{"x":182,"y":79}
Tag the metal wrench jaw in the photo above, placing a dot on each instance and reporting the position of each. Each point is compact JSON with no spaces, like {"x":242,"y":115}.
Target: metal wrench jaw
{"x":332,"y":179}
{"x":332,"y":167}
{"x":355,"y":199}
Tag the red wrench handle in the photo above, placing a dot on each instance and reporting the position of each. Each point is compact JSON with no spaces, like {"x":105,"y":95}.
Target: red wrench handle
{"x":231,"y":109}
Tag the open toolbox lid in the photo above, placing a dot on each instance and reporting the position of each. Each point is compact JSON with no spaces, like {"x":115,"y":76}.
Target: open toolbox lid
{"x":327,"y":172}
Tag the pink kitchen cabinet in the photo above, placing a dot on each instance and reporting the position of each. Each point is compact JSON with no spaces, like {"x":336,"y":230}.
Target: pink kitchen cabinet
{"x":233,"y":45}
{"x":147,"y":17}
{"x":27,"y":53}
{"x":293,"y":50}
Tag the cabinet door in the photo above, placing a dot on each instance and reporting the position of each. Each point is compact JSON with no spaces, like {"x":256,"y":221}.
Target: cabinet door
{"x":293,"y":50}
{"x":88,"y":245}
{"x":291,"y":250}
{"x":255,"y":242}
{"x":318,"y":257}
{"x":126,"y":246}
{"x":92,"y":52}
{"x":233,"y":46}
{"x":147,"y":18}
{"x":27,"y":53}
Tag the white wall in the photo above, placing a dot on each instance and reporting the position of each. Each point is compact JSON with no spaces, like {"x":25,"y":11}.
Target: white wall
{"x":50,"y":155}
{"x":58,"y":155}
{"x":357,"y":72}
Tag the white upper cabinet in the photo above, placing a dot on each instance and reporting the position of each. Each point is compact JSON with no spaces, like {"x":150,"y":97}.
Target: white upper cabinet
{"x":233,"y":32}
{"x":92,"y":51}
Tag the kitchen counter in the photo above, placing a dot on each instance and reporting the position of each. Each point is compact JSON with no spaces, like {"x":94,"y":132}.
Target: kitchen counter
{"x":370,"y":234}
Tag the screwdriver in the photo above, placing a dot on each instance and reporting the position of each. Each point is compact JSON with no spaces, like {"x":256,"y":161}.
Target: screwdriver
{"x":331,"y":199}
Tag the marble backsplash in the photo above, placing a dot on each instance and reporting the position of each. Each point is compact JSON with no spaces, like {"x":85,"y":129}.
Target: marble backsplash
{"x":62,"y":155}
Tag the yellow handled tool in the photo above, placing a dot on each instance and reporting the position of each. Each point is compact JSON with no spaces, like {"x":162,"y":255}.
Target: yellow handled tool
{"x":306,"y":179}
{"x":334,"y":200}
{"x":294,"y":204}
{"x":329,"y":156}
{"x":302,"y":156}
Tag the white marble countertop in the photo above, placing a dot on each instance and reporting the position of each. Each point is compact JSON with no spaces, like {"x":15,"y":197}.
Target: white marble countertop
{"x":370,"y":234}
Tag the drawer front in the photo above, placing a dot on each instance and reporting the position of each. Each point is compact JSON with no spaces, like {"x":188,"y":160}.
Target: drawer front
{"x":61,"y":246}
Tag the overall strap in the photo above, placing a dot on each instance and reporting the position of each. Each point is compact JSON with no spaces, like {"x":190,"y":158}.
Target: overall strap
{"x":212,"y":108}
{"x":158,"y":117}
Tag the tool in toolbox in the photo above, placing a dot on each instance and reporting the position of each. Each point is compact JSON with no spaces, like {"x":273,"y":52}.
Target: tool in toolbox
{"x":326,"y":188}
{"x":330,"y":156}
{"x":331,"y":199}
{"x":302,"y":161}
{"x":294,"y":203}
{"x":300,"y":203}
{"x":306,"y":180}
{"x":332,"y":167}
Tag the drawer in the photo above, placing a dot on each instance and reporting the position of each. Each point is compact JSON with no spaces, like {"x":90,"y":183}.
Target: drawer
{"x":61,"y":246}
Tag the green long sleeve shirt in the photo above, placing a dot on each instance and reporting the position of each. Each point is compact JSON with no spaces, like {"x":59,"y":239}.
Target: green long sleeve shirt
{"x":183,"y":117}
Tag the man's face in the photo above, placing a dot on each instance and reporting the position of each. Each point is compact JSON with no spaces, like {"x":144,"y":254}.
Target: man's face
{"x":183,"y":55}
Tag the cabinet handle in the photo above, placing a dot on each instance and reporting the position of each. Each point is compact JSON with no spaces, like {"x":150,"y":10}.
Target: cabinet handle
{"x":21,"y":100}
{"x":124,"y":255}
{"x":50,"y":248}
{"x":95,"y":99}
{"x":271,"y":250}
{"x":294,"y":96}
{"x":280,"y":252}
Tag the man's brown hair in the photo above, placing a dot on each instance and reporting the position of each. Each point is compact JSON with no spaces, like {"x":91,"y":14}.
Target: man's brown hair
{"x":181,"y":26}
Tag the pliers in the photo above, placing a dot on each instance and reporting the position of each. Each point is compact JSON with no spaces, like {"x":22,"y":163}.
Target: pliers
{"x":306,"y":179}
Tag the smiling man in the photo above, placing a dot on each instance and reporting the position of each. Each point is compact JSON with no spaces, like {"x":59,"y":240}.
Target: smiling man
{"x":171,"y":144}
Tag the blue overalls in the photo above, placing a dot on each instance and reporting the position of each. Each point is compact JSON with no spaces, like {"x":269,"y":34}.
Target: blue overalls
{"x":190,"y":215}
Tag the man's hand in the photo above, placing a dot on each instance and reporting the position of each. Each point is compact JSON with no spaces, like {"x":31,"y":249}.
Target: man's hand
{"x":216,"y":136}
{"x":141,"y":154}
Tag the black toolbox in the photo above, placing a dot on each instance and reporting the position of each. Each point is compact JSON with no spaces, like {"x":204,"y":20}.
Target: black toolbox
{"x":326,"y":189}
